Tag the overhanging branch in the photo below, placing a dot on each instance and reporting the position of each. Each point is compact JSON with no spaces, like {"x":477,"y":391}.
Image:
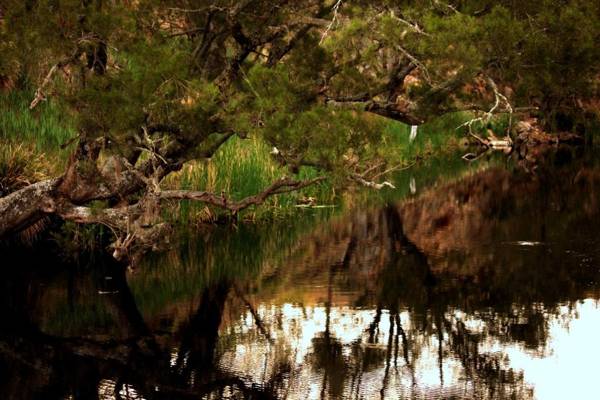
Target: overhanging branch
{"x":283,"y":185}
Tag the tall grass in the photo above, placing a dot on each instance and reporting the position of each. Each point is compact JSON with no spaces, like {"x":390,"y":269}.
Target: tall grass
{"x":20,"y":165}
{"x":47,"y":126}
{"x":241,"y":168}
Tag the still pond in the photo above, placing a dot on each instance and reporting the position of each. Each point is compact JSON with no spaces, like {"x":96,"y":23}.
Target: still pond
{"x":469,"y":281}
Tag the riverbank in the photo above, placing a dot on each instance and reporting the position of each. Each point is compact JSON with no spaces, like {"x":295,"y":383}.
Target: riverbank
{"x":36,"y":145}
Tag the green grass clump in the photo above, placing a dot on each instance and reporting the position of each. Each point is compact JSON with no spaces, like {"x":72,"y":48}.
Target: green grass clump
{"x":20,"y":165}
{"x":241,"y":168}
{"x":47,"y":126}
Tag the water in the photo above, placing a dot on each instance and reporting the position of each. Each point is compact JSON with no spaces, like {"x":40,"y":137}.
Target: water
{"x":476,"y":282}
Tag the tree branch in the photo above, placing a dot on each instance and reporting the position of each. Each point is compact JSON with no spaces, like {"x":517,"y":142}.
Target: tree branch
{"x":334,"y":19}
{"x":39,"y":93}
{"x":116,"y":218}
{"x":500,"y":99}
{"x":283,"y":185}
{"x":26,"y":206}
{"x":370,"y":184}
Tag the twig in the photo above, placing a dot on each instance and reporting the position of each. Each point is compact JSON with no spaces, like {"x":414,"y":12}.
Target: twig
{"x":187,"y":32}
{"x":470,"y":157}
{"x":488,"y":115}
{"x":449,"y":6}
{"x":415,"y":27}
{"x":416,"y":62}
{"x":197,"y":10}
{"x":398,"y":167}
{"x":371,"y":169}
{"x":333,"y":20}
{"x":39,"y":93}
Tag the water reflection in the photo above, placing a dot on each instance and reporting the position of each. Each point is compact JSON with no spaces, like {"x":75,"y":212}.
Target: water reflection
{"x":482,"y":287}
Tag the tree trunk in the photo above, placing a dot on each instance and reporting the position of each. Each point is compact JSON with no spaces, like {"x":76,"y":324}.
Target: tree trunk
{"x":26,"y":206}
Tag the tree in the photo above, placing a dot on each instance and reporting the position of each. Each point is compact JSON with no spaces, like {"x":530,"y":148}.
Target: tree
{"x":157,"y":83}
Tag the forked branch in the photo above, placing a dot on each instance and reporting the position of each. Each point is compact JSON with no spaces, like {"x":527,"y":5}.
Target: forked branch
{"x":500,"y":101}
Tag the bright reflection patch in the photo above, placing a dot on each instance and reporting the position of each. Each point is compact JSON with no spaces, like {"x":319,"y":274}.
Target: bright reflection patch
{"x":338,"y":355}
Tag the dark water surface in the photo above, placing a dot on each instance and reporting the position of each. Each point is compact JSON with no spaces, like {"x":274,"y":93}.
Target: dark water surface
{"x":477,"y":282}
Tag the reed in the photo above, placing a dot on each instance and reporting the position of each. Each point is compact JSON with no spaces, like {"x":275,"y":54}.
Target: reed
{"x":241,"y":168}
{"x":47,"y":126}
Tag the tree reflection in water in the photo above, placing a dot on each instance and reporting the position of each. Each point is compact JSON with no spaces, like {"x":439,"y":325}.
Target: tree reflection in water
{"x":426,"y":298}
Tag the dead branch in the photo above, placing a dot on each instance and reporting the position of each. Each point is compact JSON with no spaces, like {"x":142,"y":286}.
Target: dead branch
{"x":197,"y":10}
{"x":370,"y":184}
{"x":487,"y":116}
{"x":335,"y":10}
{"x":415,"y":61}
{"x":25,"y":206}
{"x":413,"y":26}
{"x":39,"y":93}
{"x":283,"y":185}
{"x":471,"y":157}
{"x":115,"y":218}
{"x":443,"y":5}
{"x":499,"y":100}
{"x":373,"y":168}
{"x":186,"y":32}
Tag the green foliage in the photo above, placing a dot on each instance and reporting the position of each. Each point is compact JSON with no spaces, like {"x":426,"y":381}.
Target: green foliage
{"x":541,"y":53}
{"x":243,"y":168}
{"x":198,"y":73}
{"x":302,"y":130}
{"x":120,"y":101}
{"x":561,"y":64}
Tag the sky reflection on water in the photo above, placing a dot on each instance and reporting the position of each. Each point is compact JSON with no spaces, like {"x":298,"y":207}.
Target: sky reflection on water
{"x":568,"y":356}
